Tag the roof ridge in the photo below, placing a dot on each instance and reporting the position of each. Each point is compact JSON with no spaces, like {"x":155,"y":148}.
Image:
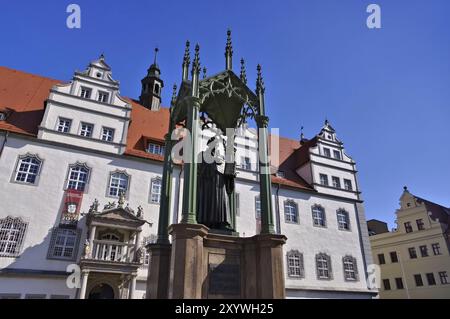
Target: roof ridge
{"x":32,"y":74}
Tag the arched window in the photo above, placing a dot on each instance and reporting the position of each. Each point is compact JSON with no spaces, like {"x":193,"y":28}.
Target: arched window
{"x":155,"y":190}
{"x":118,"y":183}
{"x":78,"y":177}
{"x":350,"y":268}
{"x":318,"y":215}
{"x":27,"y":169}
{"x":323,"y":266}
{"x":343,"y":219}
{"x":290,"y":211}
{"x":295,"y":264}
{"x":12,"y":233}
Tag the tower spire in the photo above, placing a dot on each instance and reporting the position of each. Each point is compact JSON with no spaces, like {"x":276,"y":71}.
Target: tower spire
{"x":156,"y":55}
{"x":186,"y":61}
{"x":259,"y":81}
{"x":196,"y":63}
{"x":243,"y":73}
{"x":229,"y":52}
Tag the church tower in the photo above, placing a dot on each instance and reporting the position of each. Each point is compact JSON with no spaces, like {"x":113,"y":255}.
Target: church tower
{"x":152,"y":86}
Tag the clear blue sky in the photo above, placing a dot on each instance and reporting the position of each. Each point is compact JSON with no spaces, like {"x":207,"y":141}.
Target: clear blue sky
{"x":387,"y":92}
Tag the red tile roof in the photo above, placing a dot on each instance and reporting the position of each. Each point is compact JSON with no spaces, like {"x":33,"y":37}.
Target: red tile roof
{"x":23,"y":95}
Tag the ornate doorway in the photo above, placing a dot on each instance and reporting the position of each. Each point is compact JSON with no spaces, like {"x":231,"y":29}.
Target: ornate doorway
{"x":102,"y":291}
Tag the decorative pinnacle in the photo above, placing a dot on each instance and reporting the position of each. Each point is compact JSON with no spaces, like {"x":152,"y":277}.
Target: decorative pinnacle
{"x":174,"y":94}
{"x":229,"y":51}
{"x":259,"y":80}
{"x":243,"y":73}
{"x":196,"y":63}
{"x":204,"y":72}
{"x":187,"y":56}
{"x":102,"y":56}
{"x":302,"y":135}
{"x":156,"y":54}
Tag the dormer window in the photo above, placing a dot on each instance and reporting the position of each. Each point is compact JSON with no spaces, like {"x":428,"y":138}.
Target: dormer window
{"x":280,"y":174}
{"x":2,"y":116}
{"x":326,"y":152}
{"x":85,"y":93}
{"x":337,"y":154}
{"x":103,"y":97}
{"x":156,"y":149}
{"x":99,"y":75}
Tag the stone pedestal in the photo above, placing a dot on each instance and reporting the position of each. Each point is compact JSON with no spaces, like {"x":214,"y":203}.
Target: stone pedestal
{"x":209,"y":265}
{"x":158,"y":272}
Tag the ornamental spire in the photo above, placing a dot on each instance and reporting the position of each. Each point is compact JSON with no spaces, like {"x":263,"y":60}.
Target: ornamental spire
{"x":156,"y":55}
{"x":229,"y":52}
{"x":174,"y":95}
{"x":186,"y":61}
{"x":204,"y":72}
{"x":196,"y":63}
{"x":243,"y":73}
{"x":259,"y":81}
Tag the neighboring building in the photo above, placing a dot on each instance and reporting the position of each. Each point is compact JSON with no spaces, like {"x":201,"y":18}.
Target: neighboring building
{"x":415,"y":258}
{"x":62,"y":146}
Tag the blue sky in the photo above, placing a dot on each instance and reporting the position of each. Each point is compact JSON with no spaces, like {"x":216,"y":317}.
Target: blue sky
{"x":386,"y":91}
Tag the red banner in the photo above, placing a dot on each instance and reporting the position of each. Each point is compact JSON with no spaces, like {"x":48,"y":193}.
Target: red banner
{"x":71,"y":208}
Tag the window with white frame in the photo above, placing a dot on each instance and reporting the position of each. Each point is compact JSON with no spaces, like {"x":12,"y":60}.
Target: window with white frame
{"x":323,"y":179}
{"x":85,"y":92}
{"x":12,"y":233}
{"x":103,"y":97}
{"x":118,"y":182}
{"x":336,"y":182}
{"x":27,"y":169}
{"x":64,"y":244}
{"x":337,"y":154}
{"x":290,"y":211}
{"x":86,"y":129}
{"x":323,"y":266}
{"x":348,"y":184}
{"x":157,"y":149}
{"x":295,"y":264}
{"x":246,"y":163}
{"x":343,"y":219}
{"x":78,"y":177}
{"x":318,"y":215}
{"x":326,"y":152}
{"x":258,"y":207}
{"x":64,"y":125}
{"x":107,"y":134}
{"x":155,"y":191}
{"x":350,"y":268}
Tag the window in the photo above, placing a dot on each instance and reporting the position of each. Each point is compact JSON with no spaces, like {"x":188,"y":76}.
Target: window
{"x":381,"y":259}
{"x":157,"y":149}
{"x":348,"y":184}
{"x":280,"y":174}
{"x":64,"y":125}
{"x":64,"y":244}
{"x":86,"y":129}
{"x":258,"y":207}
{"x":343,"y":219}
{"x":408,"y":227}
{"x":386,"y":284}
{"x":336,"y":182}
{"x":444,"y":277}
{"x":424,"y":251}
{"x":399,"y":283}
{"x":420,"y":224}
{"x":238,"y":204}
{"x":146,"y":241}
{"x":323,"y":179}
{"x":118,"y":183}
{"x":350,"y":268}
{"x":103,"y":97}
{"x":418,"y":280}
{"x":2,"y":116}
{"x":318,"y":215}
{"x":78,"y":177}
{"x":27,"y":169}
{"x":295,"y":264}
{"x":290,"y":211}
{"x":436,"y":249}
{"x":246,"y":164}
{"x":155,"y":193}
{"x":430,"y":279}
{"x":12,"y":233}
{"x":323,"y":266}
{"x":412,"y":253}
{"x":394,"y":257}
{"x":107,"y":134}
{"x":326,"y":152}
{"x":337,"y":154}
{"x":85,"y":93}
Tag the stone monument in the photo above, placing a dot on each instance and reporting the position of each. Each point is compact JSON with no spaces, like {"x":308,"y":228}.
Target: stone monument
{"x":206,"y":257}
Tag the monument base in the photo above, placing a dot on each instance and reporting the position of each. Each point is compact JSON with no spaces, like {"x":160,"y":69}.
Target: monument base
{"x":207,"y":265}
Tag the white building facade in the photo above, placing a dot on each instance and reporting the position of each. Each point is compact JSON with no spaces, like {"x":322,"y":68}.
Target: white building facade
{"x":80,"y":181}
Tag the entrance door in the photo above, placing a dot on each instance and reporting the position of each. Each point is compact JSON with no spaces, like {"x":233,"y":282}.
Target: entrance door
{"x":102,"y":291}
